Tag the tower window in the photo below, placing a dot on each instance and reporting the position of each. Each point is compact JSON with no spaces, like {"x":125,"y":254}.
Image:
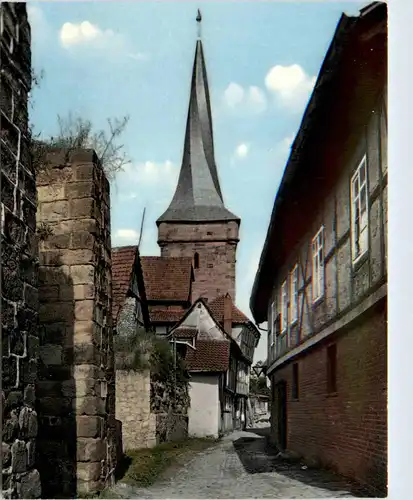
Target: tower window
{"x":196,"y":260}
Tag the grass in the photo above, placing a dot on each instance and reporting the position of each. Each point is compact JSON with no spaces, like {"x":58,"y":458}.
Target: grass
{"x":143,"y":467}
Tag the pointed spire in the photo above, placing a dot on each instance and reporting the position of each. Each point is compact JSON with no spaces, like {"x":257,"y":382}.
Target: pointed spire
{"x":198,"y":20}
{"x":198,"y":194}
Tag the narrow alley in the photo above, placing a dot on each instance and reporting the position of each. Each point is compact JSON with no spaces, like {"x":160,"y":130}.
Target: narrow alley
{"x":241,"y":466}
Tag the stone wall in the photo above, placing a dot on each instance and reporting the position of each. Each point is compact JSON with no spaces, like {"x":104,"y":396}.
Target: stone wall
{"x":215,"y":244}
{"x":133,"y":391}
{"x":141,"y":427}
{"x":19,"y":299}
{"x":76,"y":397}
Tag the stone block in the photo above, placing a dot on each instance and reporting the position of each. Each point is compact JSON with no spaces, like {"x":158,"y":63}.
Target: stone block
{"x":50,"y":193}
{"x":88,"y":487}
{"x":82,"y":274}
{"x":88,"y":426}
{"x":82,"y":240}
{"x":18,"y":456}
{"x":54,"y":276}
{"x":31,"y":453}
{"x":56,"y":312}
{"x":51,"y":354}
{"x":54,"y":210}
{"x":29,"y":485}
{"x":81,"y":208}
{"x":84,"y":310}
{"x":31,"y":296}
{"x":90,"y":405}
{"x":82,"y":292}
{"x":90,"y":450}
{"x":29,"y":395}
{"x":5,"y":454}
{"x":48,"y":293}
{"x":88,"y":471}
{"x":84,"y":172}
{"x":82,"y":371}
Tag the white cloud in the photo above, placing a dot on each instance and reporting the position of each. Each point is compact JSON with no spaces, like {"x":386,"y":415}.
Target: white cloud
{"x":242,"y":150}
{"x":250,"y":99}
{"x":87,"y":34}
{"x":125,"y":237}
{"x":290,"y":84}
{"x":287,"y":142}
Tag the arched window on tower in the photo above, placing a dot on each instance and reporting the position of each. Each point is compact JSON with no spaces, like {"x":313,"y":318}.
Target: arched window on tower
{"x":196,"y":260}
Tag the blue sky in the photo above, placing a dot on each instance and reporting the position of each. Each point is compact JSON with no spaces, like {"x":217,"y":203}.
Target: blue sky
{"x":107,"y":59}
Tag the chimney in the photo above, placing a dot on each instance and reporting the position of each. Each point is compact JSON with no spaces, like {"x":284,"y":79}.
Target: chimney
{"x":228,"y":314}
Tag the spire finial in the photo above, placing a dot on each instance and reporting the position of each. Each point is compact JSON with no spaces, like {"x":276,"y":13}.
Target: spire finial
{"x":198,"y":20}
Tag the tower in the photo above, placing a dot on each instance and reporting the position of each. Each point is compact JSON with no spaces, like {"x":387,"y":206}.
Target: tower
{"x":197,"y":224}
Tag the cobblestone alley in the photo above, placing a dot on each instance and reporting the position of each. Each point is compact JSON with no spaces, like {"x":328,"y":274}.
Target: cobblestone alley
{"x":241,"y":467}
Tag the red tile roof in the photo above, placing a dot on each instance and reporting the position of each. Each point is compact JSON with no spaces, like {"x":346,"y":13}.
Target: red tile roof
{"x":209,"y":356}
{"x":217,"y":309}
{"x":123,"y":259}
{"x":165,"y":315}
{"x":167,"y":278}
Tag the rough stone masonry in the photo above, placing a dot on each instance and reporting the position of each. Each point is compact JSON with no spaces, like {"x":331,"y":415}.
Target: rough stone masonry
{"x":76,"y":376}
{"x":19,"y":301}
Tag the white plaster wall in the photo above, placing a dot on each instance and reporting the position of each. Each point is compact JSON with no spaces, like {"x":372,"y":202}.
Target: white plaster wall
{"x":204,"y":410}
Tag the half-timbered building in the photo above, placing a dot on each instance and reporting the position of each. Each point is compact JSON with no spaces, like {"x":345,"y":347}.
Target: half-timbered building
{"x":321,"y":282}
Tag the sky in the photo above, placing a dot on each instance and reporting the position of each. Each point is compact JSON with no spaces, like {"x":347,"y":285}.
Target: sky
{"x":104,"y":59}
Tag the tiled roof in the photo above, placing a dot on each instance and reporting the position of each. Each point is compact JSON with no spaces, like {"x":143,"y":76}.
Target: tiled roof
{"x":165,"y":315}
{"x":209,"y":356}
{"x":123,"y":259}
{"x":217,"y":309}
{"x":167,"y":278}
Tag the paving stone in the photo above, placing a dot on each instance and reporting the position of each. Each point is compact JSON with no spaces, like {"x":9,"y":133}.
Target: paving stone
{"x":240,"y":466}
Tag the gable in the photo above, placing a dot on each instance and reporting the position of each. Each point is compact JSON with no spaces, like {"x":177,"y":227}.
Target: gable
{"x":199,"y":319}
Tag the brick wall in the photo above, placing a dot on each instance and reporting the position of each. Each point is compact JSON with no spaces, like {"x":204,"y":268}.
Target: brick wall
{"x":216,"y":245}
{"x":19,"y":299}
{"x":133,"y":393}
{"x":345,"y":430}
{"x":76,"y":379}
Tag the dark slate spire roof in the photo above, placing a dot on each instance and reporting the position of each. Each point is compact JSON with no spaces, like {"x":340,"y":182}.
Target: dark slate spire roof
{"x":198,"y":194}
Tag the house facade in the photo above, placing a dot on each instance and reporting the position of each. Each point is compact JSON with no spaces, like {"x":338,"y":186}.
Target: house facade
{"x":322,"y":278}
{"x":218,"y":365}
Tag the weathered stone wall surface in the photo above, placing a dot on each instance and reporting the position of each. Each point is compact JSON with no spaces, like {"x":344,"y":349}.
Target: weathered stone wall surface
{"x":215,"y":244}
{"x":141,"y":427}
{"x":76,"y":394}
{"x":133,"y":392}
{"x":19,"y":299}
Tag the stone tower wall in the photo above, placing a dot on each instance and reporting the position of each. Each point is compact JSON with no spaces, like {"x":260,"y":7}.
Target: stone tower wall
{"x":19,"y":301}
{"x":76,"y":379}
{"x":216,"y":245}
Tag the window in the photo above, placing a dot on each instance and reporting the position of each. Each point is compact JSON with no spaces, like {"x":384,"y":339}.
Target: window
{"x":318,"y":265}
{"x":359,"y":213}
{"x":294,"y":295}
{"x":332,"y":368}
{"x":284,"y":307}
{"x":196,"y":260}
{"x":295,"y":382}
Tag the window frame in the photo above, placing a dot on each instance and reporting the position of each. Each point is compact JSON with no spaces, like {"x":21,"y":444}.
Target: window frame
{"x":294,"y":295}
{"x":319,"y":254}
{"x":284,"y":307}
{"x":356,"y":198}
